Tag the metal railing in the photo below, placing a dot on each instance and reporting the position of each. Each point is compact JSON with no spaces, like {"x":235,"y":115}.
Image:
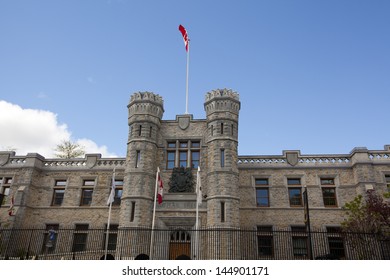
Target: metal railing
{"x":215,"y":243}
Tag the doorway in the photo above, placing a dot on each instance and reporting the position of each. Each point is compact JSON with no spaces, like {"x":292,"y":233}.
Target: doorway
{"x":180,"y":244}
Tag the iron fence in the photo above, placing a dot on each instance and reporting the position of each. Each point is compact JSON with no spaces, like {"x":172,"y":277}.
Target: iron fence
{"x":204,"y":244}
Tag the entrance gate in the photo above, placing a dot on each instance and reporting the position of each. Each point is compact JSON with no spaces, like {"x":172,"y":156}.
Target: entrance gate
{"x":180,"y":244}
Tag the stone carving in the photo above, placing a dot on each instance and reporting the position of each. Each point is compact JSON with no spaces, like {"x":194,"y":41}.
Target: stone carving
{"x":184,"y":122}
{"x":4,"y":158}
{"x":292,"y":158}
{"x":181,"y":180}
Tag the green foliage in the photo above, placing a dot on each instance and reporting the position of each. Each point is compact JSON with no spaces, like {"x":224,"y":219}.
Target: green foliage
{"x":370,"y":214}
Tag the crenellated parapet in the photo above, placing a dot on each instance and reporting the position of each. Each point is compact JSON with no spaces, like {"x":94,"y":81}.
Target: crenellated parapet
{"x":294,"y":158}
{"x":142,"y":96}
{"x":222,"y":93}
{"x":8,"y":160}
{"x":146,"y":103}
{"x":222,"y":100}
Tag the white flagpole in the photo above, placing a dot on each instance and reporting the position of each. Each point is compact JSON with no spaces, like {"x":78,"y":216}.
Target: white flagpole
{"x":154,"y":216}
{"x":109,"y":215}
{"x":188,"y":62}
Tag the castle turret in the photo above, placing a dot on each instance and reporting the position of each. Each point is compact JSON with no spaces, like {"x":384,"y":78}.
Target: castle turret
{"x":145,"y":113}
{"x":222,"y":109}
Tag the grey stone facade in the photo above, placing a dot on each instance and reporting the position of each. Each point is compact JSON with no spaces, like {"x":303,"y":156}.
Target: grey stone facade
{"x":230,"y":199}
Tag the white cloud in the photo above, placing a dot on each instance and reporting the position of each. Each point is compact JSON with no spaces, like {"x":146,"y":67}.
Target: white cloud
{"x":37,"y":131}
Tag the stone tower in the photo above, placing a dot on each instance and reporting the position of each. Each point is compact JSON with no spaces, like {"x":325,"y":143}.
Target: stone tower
{"x":145,"y":112}
{"x":222,"y":110}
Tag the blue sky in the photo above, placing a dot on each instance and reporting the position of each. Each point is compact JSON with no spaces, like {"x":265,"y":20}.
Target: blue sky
{"x":312,"y":75}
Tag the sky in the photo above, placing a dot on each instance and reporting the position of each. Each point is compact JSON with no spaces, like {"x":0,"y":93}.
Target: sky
{"x":311,"y":75}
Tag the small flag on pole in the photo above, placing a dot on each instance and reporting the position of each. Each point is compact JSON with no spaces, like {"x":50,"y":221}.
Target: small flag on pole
{"x":160,"y":186}
{"x":185,"y":36}
{"x":11,"y":207}
{"x":198,"y":188}
{"x":112,"y":192}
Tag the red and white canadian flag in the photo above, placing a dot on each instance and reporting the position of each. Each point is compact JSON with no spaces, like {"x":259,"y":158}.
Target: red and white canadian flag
{"x":160,"y":191}
{"x":185,"y":36}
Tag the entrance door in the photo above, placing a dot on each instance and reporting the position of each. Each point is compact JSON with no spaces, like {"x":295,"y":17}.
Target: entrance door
{"x":180,"y":244}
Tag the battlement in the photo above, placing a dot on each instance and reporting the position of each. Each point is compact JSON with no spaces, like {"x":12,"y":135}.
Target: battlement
{"x":142,"y":96}
{"x":222,"y":93}
{"x":222,"y":100}
{"x":146,"y":103}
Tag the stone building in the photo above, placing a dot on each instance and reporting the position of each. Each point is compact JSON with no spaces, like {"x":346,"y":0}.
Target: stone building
{"x":259,"y":193}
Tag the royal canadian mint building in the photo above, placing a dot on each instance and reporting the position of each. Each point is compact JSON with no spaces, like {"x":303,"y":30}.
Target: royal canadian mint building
{"x":252,"y":207}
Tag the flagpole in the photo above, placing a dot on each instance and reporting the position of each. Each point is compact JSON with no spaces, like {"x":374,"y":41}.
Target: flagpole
{"x":109,"y":217}
{"x":188,"y":62}
{"x":154,"y":216}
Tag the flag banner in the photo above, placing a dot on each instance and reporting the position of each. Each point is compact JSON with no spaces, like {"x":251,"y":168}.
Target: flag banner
{"x":112,"y":192}
{"x":160,"y":191}
{"x":198,"y":188}
{"x":185,"y":36}
{"x":11,"y":207}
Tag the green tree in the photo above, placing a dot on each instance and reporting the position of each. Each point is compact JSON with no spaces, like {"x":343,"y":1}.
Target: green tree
{"x":68,"y":149}
{"x":370,"y":213}
{"x":367,"y":221}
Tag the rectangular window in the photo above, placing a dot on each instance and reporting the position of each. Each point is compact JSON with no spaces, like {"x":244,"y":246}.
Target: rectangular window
{"x":328,"y":192}
{"x":195,"y":145}
{"x":299,"y":241}
{"x":327,"y":181}
{"x":137,"y":159}
{"x":118,"y":196}
{"x":60,"y":183}
{"x":88,"y":183}
{"x":295,"y":193}
{"x":195,"y":156}
{"x":221,"y":128}
{"x":222,"y":157}
{"x":6,"y":189}
{"x":150,"y":131}
{"x":112,"y":237}
{"x":222,"y":212}
{"x":183,"y":144}
{"x":58,"y":197}
{"x":171,"y":144}
{"x":86,"y":197}
{"x":8,"y":181}
{"x":295,"y":196}
{"x":262,"y":197}
{"x":185,"y":154}
{"x":140,"y":130}
{"x":262,"y":192}
{"x":335,"y":242}
{"x":293,"y":181}
{"x":183,"y":158}
{"x":265,"y":241}
{"x":329,"y":197}
{"x":5,"y":195}
{"x":132,"y":211}
{"x":80,"y":238}
{"x":171,"y":159}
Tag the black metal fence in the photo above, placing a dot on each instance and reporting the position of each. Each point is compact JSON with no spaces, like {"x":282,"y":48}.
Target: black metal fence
{"x":135,"y":243}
